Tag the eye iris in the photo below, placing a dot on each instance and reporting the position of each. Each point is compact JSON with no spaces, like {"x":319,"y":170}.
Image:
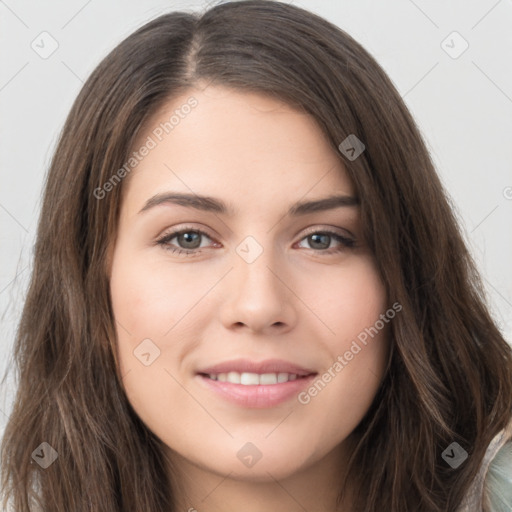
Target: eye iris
{"x":315,"y":237}
{"x":185,"y":237}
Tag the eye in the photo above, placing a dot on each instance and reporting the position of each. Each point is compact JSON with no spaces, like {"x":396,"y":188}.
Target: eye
{"x":189,"y":240}
{"x":322,"y":240}
{"x":189,"y":237}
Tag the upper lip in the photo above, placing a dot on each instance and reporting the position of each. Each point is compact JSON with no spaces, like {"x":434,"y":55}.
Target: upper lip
{"x":248,"y":366}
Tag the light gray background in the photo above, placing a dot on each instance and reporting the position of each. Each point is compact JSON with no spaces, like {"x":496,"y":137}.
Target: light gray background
{"x":463,"y":106}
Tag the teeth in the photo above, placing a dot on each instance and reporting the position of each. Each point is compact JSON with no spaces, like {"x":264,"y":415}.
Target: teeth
{"x":249,"y":379}
{"x":233,"y":377}
{"x":269,"y":378}
{"x":282,"y":377}
{"x":253,"y":379}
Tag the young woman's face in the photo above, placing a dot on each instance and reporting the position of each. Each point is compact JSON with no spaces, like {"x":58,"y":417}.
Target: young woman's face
{"x":247,"y":282}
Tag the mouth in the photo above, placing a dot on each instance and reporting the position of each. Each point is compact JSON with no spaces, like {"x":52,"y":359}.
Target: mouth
{"x":253,"y":379}
{"x":256,"y":385}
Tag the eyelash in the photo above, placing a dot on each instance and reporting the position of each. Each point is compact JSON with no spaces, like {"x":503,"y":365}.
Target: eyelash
{"x":346,"y":243}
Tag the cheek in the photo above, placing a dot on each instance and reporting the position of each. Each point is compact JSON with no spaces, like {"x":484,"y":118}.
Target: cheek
{"x":350,"y":299}
{"x":147,"y":305}
{"x":157,"y":313}
{"x":147,"y":299}
{"x":358,"y":344}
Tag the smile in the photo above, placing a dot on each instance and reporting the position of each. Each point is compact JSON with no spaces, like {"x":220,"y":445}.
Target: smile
{"x":253,"y":379}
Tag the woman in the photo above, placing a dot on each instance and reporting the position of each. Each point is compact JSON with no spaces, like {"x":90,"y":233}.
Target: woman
{"x":255,"y":369}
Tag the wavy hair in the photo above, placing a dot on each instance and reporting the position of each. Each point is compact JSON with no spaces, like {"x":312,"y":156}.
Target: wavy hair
{"x":450,"y":372}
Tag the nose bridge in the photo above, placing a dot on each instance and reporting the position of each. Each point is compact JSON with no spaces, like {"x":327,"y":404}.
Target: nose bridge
{"x":258,"y":296}
{"x":256,"y":264}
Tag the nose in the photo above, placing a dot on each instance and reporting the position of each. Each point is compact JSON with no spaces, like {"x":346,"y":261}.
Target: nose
{"x":260,"y":296}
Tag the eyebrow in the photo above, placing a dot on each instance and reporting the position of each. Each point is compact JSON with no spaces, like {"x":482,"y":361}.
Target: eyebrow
{"x":211,"y":204}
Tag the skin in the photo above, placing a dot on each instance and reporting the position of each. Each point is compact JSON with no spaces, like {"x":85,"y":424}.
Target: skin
{"x":294,"y":302}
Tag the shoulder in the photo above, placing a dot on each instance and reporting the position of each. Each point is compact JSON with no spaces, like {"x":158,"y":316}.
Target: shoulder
{"x":497,"y":492}
{"x":491,"y":490}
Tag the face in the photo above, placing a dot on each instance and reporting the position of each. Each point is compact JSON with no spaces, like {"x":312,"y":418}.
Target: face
{"x":243,"y":320}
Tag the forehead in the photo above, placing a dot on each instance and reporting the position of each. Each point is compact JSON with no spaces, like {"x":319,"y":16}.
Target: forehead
{"x":244,"y":147}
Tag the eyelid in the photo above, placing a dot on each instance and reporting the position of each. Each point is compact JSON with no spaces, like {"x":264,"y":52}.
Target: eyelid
{"x":175,"y":230}
{"x":320,"y":228}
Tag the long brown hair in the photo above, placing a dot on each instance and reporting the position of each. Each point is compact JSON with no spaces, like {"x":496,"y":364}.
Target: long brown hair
{"x":450,"y":373}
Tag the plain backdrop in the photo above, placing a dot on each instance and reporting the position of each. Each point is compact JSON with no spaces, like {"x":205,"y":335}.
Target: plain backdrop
{"x":450,"y":60}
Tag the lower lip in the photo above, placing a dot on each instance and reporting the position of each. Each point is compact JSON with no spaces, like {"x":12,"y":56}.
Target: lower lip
{"x":257,"y":396}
